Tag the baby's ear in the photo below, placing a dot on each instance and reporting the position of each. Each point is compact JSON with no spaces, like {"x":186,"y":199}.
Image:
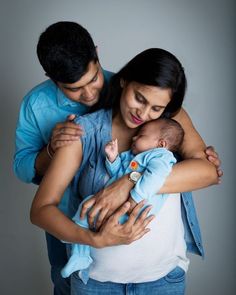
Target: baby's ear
{"x":162,"y":143}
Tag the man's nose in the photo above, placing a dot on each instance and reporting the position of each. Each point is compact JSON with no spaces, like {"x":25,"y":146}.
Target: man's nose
{"x":87,"y":92}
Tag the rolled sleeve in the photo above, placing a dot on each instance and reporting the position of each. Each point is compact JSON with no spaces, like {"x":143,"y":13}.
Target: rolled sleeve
{"x":28,"y":143}
{"x":24,"y":167}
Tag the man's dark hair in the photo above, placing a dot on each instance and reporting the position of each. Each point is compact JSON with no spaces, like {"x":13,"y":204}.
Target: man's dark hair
{"x":65,"y":50}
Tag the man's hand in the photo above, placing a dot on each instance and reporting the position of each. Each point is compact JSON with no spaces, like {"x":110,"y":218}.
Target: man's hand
{"x":132,"y":204}
{"x":65,"y":133}
{"x":213,"y":157}
{"x":105,"y":202}
{"x":113,"y":233}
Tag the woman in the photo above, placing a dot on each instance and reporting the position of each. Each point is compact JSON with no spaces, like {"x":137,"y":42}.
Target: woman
{"x":151,"y":85}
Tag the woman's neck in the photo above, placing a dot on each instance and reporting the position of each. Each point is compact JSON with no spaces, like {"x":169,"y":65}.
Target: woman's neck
{"x":123,"y":133}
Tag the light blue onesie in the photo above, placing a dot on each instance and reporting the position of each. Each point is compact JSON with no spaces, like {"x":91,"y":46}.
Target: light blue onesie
{"x":155,"y":165}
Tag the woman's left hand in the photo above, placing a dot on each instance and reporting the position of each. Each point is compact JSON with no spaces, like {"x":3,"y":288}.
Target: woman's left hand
{"x":213,"y":157}
{"x":102,"y":205}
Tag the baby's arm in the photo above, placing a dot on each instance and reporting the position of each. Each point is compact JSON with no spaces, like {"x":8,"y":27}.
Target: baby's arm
{"x":158,"y":168}
{"x":111,"y":150}
{"x":113,"y":160}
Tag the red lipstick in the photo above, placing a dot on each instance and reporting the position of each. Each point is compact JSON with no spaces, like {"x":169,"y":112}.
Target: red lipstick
{"x":136,"y":120}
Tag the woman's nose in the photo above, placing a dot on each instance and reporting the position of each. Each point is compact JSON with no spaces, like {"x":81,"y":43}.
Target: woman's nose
{"x":143,"y":113}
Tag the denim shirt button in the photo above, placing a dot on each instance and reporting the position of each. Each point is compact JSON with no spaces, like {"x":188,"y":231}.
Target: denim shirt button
{"x":191,"y":223}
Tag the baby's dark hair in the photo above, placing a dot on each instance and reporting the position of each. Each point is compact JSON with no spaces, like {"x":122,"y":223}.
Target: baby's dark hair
{"x":172,"y":132}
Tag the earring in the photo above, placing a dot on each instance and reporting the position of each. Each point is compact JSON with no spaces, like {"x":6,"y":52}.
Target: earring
{"x":122,"y":83}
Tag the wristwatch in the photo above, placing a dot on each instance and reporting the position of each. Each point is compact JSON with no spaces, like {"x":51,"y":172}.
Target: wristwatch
{"x":134,"y":176}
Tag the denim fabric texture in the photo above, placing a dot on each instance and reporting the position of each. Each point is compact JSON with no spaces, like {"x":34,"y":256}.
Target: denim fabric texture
{"x":171,"y":284}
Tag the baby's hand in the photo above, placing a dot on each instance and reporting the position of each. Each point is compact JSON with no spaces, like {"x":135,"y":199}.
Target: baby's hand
{"x":111,"y":150}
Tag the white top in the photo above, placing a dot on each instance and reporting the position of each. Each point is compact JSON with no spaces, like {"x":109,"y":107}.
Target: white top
{"x":151,"y":257}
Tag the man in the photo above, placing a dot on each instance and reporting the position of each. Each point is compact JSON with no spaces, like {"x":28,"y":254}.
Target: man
{"x":69,"y":58}
{"x":77,"y":82}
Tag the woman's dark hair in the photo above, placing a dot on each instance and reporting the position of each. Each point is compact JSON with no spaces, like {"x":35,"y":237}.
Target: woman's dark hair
{"x":153,"y":67}
{"x":64,"y":50}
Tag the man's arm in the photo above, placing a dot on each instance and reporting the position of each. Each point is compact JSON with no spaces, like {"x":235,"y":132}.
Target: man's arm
{"x":32,"y":157}
{"x":28,"y":143}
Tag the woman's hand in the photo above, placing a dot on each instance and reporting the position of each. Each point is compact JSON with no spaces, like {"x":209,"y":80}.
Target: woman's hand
{"x":113,"y":233}
{"x":107,"y":201}
{"x":213,"y":157}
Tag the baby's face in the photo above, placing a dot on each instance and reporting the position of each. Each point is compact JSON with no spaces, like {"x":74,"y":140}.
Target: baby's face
{"x":146,"y":139}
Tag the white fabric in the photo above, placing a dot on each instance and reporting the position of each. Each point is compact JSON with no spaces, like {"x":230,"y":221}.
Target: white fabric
{"x":149,"y":258}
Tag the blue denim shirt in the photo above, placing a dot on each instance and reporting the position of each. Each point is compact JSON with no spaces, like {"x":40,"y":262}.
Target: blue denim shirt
{"x":41,"y":109}
{"x":93,"y":175}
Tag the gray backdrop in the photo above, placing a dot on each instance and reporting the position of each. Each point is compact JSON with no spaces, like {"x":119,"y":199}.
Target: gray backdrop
{"x":202,"y":34}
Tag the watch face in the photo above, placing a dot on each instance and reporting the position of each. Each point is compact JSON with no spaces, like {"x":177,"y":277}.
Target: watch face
{"x":135,"y":176}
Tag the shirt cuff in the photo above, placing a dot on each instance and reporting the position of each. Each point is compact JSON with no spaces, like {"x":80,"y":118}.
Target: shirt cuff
{"x":113,"y":165}
{"x":25,"y":170}
{"x":135,"y":196}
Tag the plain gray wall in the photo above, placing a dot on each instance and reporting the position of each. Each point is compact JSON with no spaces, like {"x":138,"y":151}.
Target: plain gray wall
{"x":202,"y":34}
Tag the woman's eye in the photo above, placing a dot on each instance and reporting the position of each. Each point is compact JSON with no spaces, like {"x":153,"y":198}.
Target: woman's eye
{"x":139,"y":99}
{"x":156,"y":109}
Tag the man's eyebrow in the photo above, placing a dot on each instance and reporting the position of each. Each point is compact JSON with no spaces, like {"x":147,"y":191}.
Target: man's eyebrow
{"x":76,"y":88}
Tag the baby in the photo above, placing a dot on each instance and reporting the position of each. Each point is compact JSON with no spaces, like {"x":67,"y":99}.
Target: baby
{"x":148,"y":163}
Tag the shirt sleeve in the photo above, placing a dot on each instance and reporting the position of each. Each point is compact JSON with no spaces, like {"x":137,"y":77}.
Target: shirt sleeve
{"x":113,"y":167}
{"x":158,"y":167}
{"x":28,"y":143}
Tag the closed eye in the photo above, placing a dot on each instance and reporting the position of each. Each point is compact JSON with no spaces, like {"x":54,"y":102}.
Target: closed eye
{"x":140,"y":99}
{"x":156,"y":109}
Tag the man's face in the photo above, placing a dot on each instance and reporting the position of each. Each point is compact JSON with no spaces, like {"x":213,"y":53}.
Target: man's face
{"x":87,"y":89}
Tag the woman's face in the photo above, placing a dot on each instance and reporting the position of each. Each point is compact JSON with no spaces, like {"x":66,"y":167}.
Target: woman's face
{"x":142,"y":103}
